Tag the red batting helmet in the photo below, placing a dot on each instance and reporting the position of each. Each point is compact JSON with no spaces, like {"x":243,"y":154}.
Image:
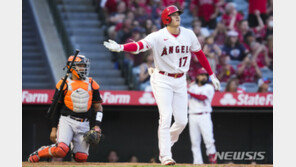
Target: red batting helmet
{"x":201,"y":71}
{"x":165,"y":15}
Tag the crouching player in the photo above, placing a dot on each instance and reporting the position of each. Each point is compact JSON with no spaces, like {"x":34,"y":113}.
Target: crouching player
{"x":79,"y":110}
{"x":200,"y":122}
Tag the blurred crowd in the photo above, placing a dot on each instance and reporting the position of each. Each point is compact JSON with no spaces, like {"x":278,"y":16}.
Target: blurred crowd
{"x":237,"y":43}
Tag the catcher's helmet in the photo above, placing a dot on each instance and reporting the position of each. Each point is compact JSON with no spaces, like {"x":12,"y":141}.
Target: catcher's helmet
{"x":165,"y":15}
{"x":201,"y":71}
{"x":80,"y":67}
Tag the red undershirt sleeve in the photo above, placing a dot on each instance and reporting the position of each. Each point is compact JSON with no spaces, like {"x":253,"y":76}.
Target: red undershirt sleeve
{"x":132,"y":46}
{"x":198,"y":96}
{"x":203,"y":61}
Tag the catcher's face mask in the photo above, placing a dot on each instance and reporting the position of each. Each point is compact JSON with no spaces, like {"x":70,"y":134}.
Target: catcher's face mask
{"x":80,"y":67}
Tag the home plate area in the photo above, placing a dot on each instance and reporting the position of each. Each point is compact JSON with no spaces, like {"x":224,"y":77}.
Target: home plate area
{"x":75,"y":164}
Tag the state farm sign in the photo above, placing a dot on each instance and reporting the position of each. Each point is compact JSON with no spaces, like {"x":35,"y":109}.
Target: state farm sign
{"x":127,"y":98}
{"x":37,"y":96}
{"x":140,"y":98}
{"x":111,"y":98}
{"x":243,"y":99}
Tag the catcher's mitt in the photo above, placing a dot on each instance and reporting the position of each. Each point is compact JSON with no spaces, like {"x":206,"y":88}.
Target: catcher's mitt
{"x":92,"y":137}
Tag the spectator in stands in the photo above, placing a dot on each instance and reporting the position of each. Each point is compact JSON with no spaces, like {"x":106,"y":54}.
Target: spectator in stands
{"x":134,"y":159}
{"x":206,"y":10}
{"x":155,"y":8}
{"x":142,"y":15}
{"x":249,"y":37}
{"x":152,"y":160}
{"x":259,"y":53}
{"x":179,"y":3}
{"x":196,"y":30}
{"x":257,"y":5}
{"x":212,"y":51}
{"x":233,"y":47}
{"x":134,"y":59}
{"x":243,"y":28}
{"x":112,"y":157}
{"x":154,"y":28}
{"x":136,"y":23}
{"x":112,"y":33}
{"x":263,"y":85}
{"x":125,"y":31}
{"x":117,"y":17}
{"x":248,"y":71}
{"x":220,"y":34}
{"x":110,"y":6}
{"x":224,"y":70}
{"x":130,"y":15}
{"x":259,"y":30}
{"x":196,"y":22}
{"x":144,"y":76}
{"x":269,"y":9}
{"x":269,"y":26}
{"x":233,"y":86}
{"x":270,"y":50}
{"x":148,"y":26}
{"x":231,"y":17}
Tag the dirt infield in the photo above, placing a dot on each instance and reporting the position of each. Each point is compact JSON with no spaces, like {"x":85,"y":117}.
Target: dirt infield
{"x":75,"y":164}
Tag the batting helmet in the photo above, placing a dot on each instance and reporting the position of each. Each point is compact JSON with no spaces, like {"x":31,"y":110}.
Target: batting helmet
{"x":201,"y":71}
{"x":165,"y":15}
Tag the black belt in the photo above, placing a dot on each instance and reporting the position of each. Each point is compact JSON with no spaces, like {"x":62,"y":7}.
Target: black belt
{"x":76,"y":118}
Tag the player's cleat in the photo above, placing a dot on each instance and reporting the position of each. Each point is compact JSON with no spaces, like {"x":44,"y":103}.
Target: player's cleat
{"x":34,"y":157}
{"x":168,"y":162}
{"x":212,"y":159}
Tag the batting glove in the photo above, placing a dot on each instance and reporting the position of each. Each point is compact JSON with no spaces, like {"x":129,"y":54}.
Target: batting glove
{"x":215,"y":82}
{"x":113,"y":46}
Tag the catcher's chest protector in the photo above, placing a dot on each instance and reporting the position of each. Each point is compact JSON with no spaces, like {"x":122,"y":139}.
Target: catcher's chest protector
{"x":79,"y":95}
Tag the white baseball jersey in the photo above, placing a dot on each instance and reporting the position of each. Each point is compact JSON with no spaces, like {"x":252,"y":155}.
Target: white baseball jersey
{"x":198,"y":106}
{"x":172,"y":54}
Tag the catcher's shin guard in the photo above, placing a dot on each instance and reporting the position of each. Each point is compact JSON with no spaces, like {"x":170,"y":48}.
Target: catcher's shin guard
{"x":34,"y":157}
{"x":58,"y":150}
{"x":80,"y":157}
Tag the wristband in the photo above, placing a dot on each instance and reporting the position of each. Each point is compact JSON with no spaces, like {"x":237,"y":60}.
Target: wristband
{"x":99,"y":116}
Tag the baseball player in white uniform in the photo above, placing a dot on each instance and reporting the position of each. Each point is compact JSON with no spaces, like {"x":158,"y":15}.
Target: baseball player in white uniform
{"x":172,"y":47}
{"x":200,"y":124}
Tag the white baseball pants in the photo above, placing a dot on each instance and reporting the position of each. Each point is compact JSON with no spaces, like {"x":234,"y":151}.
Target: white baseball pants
{"x":171,"y":97}
{"x":201,"y":125}
{"x":72,"y":130}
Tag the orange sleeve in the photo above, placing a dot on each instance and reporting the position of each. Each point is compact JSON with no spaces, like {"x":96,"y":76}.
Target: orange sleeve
{"x":59,"y":84}
{"x":95,"y":85}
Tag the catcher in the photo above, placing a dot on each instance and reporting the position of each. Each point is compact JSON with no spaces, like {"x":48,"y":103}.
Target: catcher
{"x":78,"y":115}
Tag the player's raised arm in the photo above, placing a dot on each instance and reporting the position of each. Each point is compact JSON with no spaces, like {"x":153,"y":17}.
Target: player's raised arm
{"x":133,"y":47}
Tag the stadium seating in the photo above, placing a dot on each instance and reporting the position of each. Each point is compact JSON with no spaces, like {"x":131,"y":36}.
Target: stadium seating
{"x":186,"y":16}
{"x":267,"y":73}
{"x":234,"y":63}
{"x":86,"y":33}
{"x":223,"y":86}
{"x":250,"y":87}
{"x":36,"y":73}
